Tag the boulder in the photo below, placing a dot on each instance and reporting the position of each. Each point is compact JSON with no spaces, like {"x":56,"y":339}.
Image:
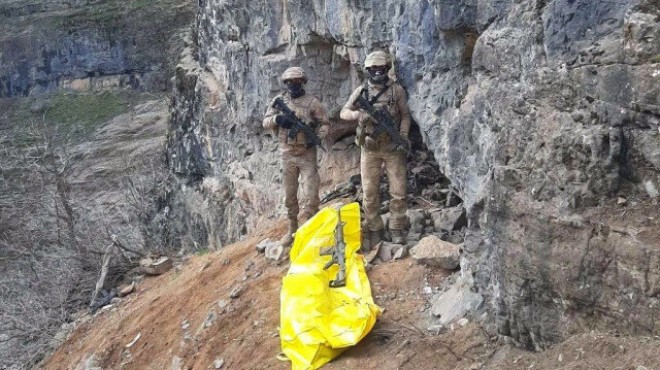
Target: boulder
{"x":432,"y":251}
{"x":455,"y":303}
{"x":155,"y":267}
{"x":126,"y":290}
{"x":275,"y":252}
{"x":449,"y":219}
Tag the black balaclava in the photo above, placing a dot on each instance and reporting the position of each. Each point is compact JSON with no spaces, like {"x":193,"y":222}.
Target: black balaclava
{"x":378,"y":75}
{"x":295,"y":88}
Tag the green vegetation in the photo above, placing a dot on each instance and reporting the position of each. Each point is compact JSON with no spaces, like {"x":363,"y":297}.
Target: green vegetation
{"x":75,"y":112}
{"x":86,"y":110}
{"x":656,"y":59}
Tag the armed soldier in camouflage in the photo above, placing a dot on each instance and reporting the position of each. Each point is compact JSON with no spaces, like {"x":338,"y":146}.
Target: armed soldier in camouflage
{"x":297,"y":148}
{"x":381,"y":149}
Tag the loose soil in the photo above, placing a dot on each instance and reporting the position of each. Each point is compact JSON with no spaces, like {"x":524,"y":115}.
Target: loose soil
{"x":185,"y":319}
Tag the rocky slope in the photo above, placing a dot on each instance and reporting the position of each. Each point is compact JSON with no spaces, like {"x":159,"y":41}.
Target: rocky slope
{"x":221,"y":311}
{"x":541,"y":113}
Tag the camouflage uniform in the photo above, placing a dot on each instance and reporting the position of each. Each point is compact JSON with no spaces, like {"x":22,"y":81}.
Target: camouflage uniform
{"x":379,"y":151}
{"x":298,"y":160}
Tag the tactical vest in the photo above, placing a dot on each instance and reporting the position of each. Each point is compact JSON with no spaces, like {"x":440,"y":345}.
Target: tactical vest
{"x":301,"y":106}
{"x":379,"y":99}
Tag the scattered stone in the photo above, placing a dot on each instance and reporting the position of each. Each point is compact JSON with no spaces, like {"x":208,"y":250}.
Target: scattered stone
{"x":371,"y":256}
{"x":155,"y":267}
{"x":236,"y":292}
{"x":455,"y":303}
{"x":454,"y":237}
{"x":416,"y":219}
{"x":115,"y":301}
{"x":124,"y":291}
{"x":449,"y":219}
{"x":462,"y":322}
{"x":435,"y":252}
{"x":249,"y":265}
{"x":413,"y":236}
{"x":223,"y":303}
{"x":400,"y":252}
{"x":651,"y":189}
{"x":219,"y":363}
{"x":621,"y":201}
{"x":210,"y":319}
{"x":185,"y":325}
{"x":640,"y":367}
{"x":560,"y":358}
{"x":275,"y":251}
{"x":263,"y":245}
{"x":476,"y":366}
{"x":177,"y":363}
{"x":126,"y":358}
{"x":386,"y":250}
{"x":436,"y":329}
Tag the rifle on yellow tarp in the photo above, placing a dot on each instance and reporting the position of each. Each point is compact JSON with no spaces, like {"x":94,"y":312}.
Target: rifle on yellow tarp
{"x":338,"y":253}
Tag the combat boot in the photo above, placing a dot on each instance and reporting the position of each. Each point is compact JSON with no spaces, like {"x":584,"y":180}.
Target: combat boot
{"x":375,"y":237}
{"x":287,"y":239}
{"x":397,"y":237}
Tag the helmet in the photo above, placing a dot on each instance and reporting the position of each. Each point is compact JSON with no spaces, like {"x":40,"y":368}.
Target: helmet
{"x":377,"y":58}
{"x":294,"y":72}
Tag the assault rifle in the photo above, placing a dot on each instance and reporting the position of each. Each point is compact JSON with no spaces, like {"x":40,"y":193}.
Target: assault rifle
{"x":298,"y":125}
{"x":384,"y":123}
{"x":338,"y":253}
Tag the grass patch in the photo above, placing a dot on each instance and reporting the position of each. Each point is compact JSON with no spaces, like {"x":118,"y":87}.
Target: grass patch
{"x":86,"y":110}
{"x":75,"y":112}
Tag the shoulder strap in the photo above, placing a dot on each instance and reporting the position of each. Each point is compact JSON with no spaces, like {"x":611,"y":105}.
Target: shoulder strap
{"x":380,"y":93}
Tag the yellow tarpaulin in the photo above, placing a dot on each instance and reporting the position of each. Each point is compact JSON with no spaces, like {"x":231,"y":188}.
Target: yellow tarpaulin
{"x":318,"y":322}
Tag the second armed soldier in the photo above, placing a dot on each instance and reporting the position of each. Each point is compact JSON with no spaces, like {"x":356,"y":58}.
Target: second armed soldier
{"x":379,"y":151}
{"x":298,"y":156}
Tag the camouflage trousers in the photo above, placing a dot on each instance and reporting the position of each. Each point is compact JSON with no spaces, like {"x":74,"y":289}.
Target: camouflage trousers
{"x":301,"y":170}
{"x":371,"y":166}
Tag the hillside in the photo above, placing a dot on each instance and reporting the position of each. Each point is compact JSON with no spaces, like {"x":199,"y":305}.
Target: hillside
{"x":185,"y":319}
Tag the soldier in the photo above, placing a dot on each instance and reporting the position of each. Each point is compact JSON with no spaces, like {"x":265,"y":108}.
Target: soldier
{"x":299,"y":160}
{"x":381,"y":92}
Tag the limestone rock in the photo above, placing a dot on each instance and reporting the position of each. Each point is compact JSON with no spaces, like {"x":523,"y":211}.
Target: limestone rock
{"x":236,"y":292}
{"x":449,"y":219}
{"x":265,"y":244}
{"x":416,"y":219}
{"x":455,"y":303}
{"x":275,"y":251}
{"x":155,"y":267}
{"x":435,"y":252}
{"x":531,"y":117}
{"x":124,"y":291}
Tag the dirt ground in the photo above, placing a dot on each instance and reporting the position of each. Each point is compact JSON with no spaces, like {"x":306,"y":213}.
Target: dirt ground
{"x":185,"y":319}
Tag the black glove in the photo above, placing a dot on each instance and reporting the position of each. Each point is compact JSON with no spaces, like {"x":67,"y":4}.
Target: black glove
{"x":283,"y":121}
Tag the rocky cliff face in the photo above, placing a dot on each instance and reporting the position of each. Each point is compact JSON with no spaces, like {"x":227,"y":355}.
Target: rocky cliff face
{"x":544,"y":115}
{"x":88,"y":44}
